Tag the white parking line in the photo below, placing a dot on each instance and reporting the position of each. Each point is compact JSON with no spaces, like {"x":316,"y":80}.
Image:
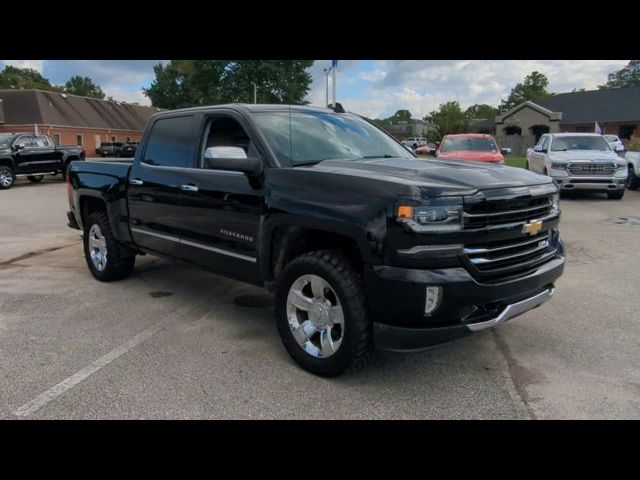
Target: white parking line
{"x":68,"y":383}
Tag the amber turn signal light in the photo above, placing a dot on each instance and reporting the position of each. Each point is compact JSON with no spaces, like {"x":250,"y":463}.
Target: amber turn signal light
{"x":405,"y":211}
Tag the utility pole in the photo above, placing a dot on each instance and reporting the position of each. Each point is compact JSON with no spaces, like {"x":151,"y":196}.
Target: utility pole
{"x":334,"y":67}
{"x":326,"y":74}
{"x":255,"y":93}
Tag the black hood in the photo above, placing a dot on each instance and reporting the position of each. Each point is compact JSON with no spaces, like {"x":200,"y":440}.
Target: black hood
{"x":441,"y":177}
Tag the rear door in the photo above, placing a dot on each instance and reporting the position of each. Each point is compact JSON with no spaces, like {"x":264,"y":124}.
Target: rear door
{"x":222,"y":209}
{"x":157,"y":217}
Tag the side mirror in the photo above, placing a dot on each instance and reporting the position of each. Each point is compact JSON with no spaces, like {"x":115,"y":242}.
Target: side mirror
{"x":619,"y":148}
{"x":538,"y":148}
{"x":232,"y":159}
{"x":433,"y":152}
{"x":505,"y":151}
{"x":18,"y":146}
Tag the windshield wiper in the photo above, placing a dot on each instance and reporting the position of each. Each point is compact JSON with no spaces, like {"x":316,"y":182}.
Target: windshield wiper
{"x":310,"y":162}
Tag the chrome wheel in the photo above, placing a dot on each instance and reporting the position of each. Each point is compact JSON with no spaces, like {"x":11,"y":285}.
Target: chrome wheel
{"x":97,"y":248}
{"x":6,"y":177}
{"x":315,"y":316}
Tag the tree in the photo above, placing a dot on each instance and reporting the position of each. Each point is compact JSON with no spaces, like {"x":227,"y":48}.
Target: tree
{"x":84,"y":87}
{"x":481,"y":110}
{"x":185,"y":83}
{"x":21,"y":78}
{"x":628,"y":76}
{"x":533,"y":88}
{"x":449,"y":118}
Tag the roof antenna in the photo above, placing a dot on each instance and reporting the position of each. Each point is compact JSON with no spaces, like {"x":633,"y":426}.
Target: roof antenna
{"x":338,"y":108}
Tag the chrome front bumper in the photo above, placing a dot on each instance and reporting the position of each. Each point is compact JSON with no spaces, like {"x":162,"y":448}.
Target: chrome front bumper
{"x":582,"y":182}
{"x":513,"y":310}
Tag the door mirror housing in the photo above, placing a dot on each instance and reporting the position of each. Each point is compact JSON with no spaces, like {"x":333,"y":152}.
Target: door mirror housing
{"x":539,"y":149}
{"x":505,"y":151}
{"x":18,"y":146}
{"x":233,"y":159}
{"x":619,"y":148}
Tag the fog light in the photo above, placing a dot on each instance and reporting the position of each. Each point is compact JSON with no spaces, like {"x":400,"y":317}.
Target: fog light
{"x":433,"y":297}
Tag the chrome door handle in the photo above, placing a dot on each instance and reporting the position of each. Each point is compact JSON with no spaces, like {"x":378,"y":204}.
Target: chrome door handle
{"x":136,"y":181}
{"x":188,"y":188}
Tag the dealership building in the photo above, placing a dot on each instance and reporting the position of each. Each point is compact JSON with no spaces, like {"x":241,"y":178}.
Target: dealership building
{"x":71,"y":119}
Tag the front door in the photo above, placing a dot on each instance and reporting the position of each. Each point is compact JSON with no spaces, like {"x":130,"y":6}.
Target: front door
{"x":154,"y":195}
{"x":222,"y":208}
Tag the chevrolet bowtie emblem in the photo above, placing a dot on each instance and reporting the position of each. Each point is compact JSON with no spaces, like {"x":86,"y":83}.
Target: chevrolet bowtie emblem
{"x":533,"y":227}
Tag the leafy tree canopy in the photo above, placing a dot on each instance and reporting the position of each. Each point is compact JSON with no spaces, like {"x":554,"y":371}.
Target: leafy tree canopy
{"x":24,"y":78}
{"x":628,"y":76}
{"x":84,"y":87}
{"x":533,"y":88}
{"x":481,"y":110}
{"x":448,"y":119}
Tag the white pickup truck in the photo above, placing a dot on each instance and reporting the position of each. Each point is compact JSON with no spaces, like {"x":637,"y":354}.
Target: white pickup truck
{"x":633,"y":159}
{"x":579,"y":161}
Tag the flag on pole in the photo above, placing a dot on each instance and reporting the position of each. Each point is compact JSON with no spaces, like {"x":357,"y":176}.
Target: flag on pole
{"x":598,"y":129}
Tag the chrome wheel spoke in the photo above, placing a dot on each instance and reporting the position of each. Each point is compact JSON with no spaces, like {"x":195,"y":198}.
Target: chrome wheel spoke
{"x":327,"y":346}
{"x":300,"y":300}
{"x":303,"y":332}
{"x":337,"y":315}
{"x":317,"y":286}
{"x":97,"y":248}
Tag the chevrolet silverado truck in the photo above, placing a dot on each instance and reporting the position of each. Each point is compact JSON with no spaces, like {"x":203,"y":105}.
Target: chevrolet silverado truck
{"x":33,"y":156}
{"x":579,"y":161}
{"x":364,"y":244}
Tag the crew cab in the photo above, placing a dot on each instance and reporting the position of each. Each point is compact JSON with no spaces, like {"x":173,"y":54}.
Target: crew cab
{"x":478,"y":147}
{"x":579,"y":161}
{"x":33,"y":156}
{"x":364,"y":244}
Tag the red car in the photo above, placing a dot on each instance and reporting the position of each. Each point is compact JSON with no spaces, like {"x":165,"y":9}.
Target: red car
{"x":471,"y":146}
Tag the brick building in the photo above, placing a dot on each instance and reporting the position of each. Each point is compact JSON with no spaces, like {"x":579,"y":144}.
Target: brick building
{"x":72,"y":120}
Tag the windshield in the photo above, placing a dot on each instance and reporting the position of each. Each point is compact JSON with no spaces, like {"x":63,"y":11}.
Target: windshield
{"x":6,"y":139}
{"x":457,"y":144}
{"x":309,"y":137}
{"x":561,"y":144}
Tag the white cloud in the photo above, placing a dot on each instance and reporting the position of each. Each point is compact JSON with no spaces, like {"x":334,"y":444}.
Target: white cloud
{"x":125,"y":96}
{"x":373,"y":76}
{"x":37,"y":65}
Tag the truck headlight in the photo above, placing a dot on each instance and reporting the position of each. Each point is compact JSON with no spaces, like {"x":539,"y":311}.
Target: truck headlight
{"x":558,"y":166}
{"x":439,"y":217}
{"x":555,"y":202}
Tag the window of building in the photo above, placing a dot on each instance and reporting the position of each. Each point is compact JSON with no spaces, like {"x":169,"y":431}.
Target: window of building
{"x":79,"y":140}
{"x":128,"y":139}
{"x":171,"y":142}
{"x":113,"y":138}
{"x":585,"y":129}
{"x":56,"y":139}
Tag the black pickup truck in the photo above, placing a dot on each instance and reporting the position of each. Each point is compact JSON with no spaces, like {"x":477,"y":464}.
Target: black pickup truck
{"x":33,"y":156}
{"x":364,"y":244}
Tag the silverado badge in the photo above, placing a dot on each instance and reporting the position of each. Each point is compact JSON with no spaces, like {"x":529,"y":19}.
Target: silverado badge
{"x":533,"y":227}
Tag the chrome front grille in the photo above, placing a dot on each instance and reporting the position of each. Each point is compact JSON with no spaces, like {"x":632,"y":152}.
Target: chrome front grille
{"x":509,"y":257}
{"x":593,"y":169}
{"x":516,"y":210}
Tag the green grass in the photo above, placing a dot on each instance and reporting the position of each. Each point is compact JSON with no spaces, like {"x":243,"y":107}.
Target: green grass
{"x":515,"y":161}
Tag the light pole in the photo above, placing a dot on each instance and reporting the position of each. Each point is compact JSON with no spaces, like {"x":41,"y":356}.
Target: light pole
{"x":326,"y":73}
{"x":255,"y":93}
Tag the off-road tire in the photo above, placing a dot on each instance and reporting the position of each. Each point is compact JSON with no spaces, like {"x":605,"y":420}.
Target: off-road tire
{"x":120,"y":260}
{"x":334,"y":268}
{"x":10,"y":175}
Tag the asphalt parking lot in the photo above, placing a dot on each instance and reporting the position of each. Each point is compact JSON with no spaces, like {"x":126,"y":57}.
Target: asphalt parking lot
{"x":173,"y":341}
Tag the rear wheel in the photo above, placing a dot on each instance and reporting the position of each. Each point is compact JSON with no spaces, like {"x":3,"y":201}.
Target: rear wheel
{"x":321,"y":314}
{"x":35,"y":178}
{"x":617,"y":195}
{"x":634,"y":181}
{"x":7,"y":177}
{"x":106,"y":258}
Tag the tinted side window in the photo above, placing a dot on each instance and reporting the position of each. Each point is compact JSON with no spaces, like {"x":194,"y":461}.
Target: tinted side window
{"x":545,"y":143}
{"x":171,"y":142}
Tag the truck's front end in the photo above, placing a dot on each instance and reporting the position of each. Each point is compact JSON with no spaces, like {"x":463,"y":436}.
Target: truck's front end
{"x":460,"y":264}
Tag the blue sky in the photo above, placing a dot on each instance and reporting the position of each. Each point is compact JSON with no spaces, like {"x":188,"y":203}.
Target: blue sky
{"x":375,"y":88}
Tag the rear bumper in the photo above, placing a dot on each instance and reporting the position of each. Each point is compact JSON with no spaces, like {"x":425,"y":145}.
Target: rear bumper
{"x":397,"y":301}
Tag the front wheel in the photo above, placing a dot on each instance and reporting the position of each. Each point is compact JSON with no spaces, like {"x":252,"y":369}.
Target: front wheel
{"x":35,"y":178}
{"x":321,"y":314}
{"x":617,"y":195}
{"x":107,"y":260}
{"x":7,"y":177}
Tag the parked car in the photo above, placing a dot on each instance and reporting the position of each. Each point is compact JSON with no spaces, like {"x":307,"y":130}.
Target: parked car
{"x":579,"y":161}
{"x":110,"y":149}
{"x":33,"y":156}
{"x":633,"y":167}
{"x":478,"y":147}
{"x":129,"y":149}
{"x":614,"y":141}
{"x":371,"y":247}
{"x":414,"y":142}
{"x":425,"y":149}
